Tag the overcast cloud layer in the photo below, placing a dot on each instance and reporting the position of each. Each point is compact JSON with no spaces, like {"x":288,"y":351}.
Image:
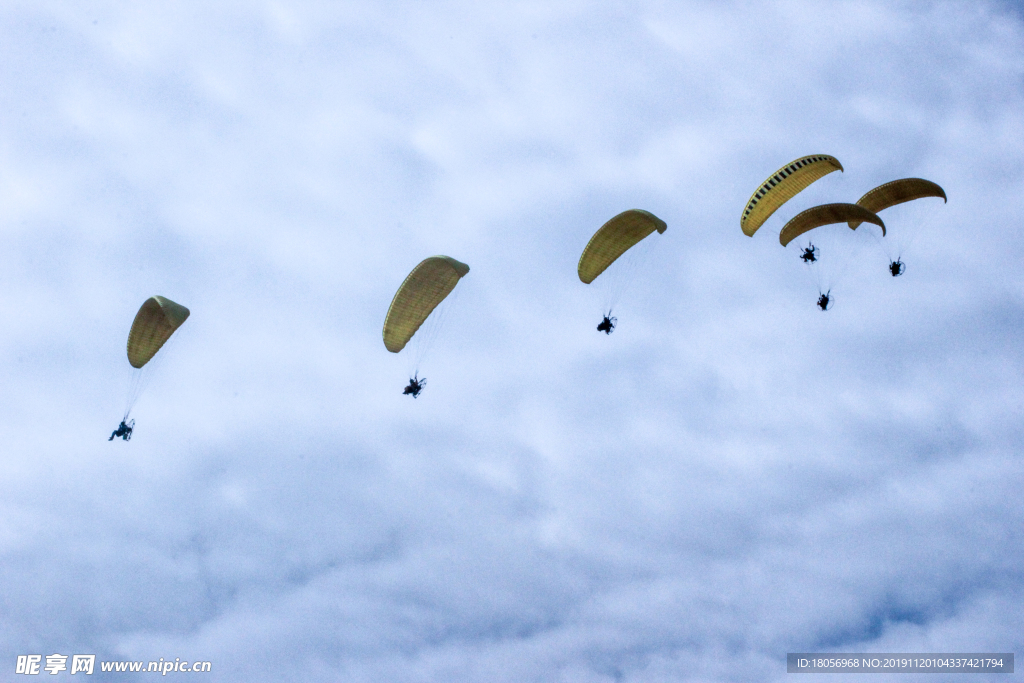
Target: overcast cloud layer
{"x":732,"y":475}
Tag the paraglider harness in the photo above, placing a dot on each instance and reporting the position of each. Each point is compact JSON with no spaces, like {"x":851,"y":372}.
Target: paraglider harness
{"x":809,"y":253}
{"x":825,"y":301}
{"x":416,"y":385}
{"x":897,"y":267}
{"x":124,"y":430}
{"x":608,"y":324}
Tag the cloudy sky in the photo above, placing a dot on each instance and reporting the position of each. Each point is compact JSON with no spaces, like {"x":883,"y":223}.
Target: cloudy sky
{"x":732,"y":475}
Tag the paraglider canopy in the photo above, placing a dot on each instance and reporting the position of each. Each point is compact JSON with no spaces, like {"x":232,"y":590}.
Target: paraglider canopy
{"x":614,"y":238}
{"x":782,"y":186}
{"x":898,"y":192}
{"x":154,"y":324}
{"x":425,"y":287}
{"x":826,"y":214}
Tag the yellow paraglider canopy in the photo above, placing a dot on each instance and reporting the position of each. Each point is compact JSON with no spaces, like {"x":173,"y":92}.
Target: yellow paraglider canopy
{"x":782,"y":186}
{"x":897,"y":192}
{"x":426,"y":286}
{"x":154,"y":324}
{"x":826,"y":214}
{"x":614,"y":238}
